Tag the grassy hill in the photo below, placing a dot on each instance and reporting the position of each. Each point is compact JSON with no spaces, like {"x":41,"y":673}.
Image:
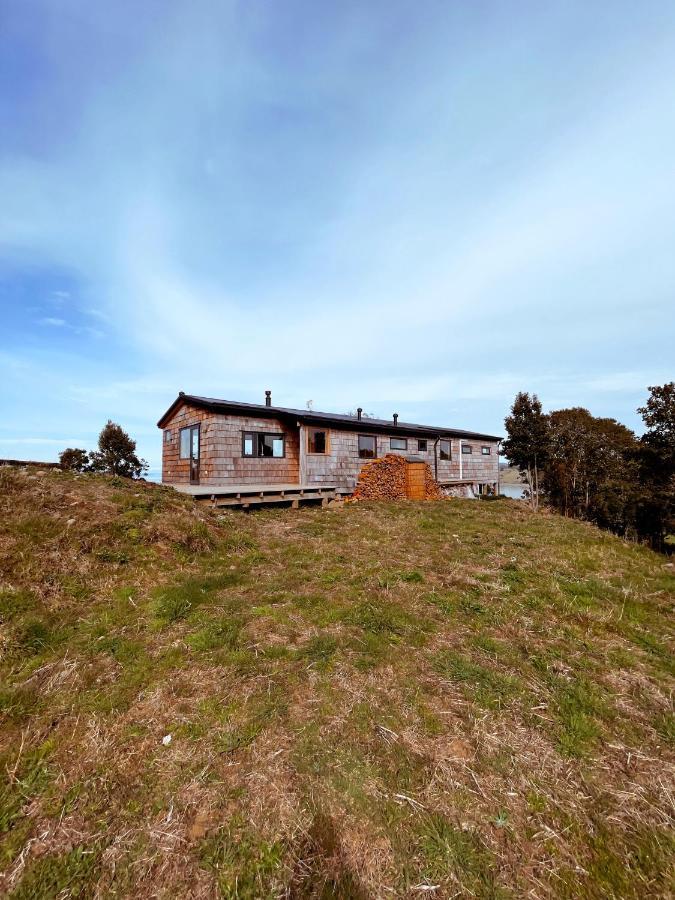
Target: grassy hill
{"x":422,"y":699}
{"x":510,"y":475}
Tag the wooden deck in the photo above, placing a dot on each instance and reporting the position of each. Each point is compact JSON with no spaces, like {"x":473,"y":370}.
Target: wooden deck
{"x":247,"y":495}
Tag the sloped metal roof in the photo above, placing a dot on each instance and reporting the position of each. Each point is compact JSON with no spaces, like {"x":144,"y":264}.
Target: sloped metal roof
{"x":314,"y":417}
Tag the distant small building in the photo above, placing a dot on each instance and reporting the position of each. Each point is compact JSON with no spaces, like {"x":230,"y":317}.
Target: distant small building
{"x":224,"y":443}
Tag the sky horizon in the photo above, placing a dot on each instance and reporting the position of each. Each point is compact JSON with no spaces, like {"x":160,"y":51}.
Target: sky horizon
{"x":413,"y":208}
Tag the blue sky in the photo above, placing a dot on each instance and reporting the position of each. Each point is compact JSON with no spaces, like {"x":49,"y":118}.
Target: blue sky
{"x":419,"y":207}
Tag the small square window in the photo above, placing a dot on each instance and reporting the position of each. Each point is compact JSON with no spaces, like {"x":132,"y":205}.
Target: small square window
{"x":398,"y":443}
{"x":167,"y":436}
{"x":485,"y":451}
{"x":317,"y":440}
{"x":467,"y":448}
{"x":445,"y":450}
{"x":422,"y":446}
{"x":367,"y":446}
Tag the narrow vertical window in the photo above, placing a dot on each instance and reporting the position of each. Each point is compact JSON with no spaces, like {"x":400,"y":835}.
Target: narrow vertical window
{"x":317,"y":440}
{"x":444,"y":449}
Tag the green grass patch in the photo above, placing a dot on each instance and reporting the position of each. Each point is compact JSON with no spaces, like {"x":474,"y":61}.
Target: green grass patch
{"x":446,"y":849}
{"x":15,"y":602}
{"x":621,"y":866}
{"x":485,"y":686}
{"x":665,"y":726}
{"x":319,"y":650}
{"x":22,"y":781}
{"x":246,"y":866}
{"x":19,"y":703}
{"x":220,"y":633}
{"x":71,"y":874}
{"x":176,"y":602}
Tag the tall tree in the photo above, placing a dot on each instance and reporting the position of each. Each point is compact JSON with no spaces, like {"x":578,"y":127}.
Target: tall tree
{"x":658,"y":415}
{"x":117,"y":453}
{"x":656,"y":510}
{"x":527,"y":442}
{"x":590,"y":471}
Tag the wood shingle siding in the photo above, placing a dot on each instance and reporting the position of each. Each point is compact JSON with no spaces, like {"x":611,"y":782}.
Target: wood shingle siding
{"x":222,"y":462}
{"x":341,"y":466}
{"x":221,"y":459}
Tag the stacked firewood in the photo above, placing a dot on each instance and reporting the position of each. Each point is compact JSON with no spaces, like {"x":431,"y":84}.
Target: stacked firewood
{"x":382,"y":479}
{"x":386,"y":479}
{"x":433,"y":491}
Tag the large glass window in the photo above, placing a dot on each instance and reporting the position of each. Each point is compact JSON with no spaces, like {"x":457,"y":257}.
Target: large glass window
{"x":271,"y":445}
{"x":398,"y":443}
{"x":317,"y":440}
{"x":256,"y":443}
{"x":189,"y":442}
{"x":367,"y":446}
{"x":444,"y":449}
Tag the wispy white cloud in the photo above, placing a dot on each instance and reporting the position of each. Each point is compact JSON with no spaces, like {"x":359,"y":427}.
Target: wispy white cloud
{"x":58,"y":298}
{"x":430,"y":235}
{"x":75,"y":329}
{"x":97,"y":314}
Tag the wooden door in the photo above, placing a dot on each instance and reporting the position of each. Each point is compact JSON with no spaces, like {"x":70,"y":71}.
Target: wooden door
{"x":416,"y":488}
{"x":194,"y":454}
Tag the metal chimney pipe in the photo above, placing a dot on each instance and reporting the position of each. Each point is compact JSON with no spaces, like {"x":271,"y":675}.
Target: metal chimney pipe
{"x":395,"y":418}
{"x":268,"y":398}
{"x":358,"y":413}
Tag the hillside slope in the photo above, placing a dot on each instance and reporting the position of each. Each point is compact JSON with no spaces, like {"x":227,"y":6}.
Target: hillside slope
{"x":414,"y":699}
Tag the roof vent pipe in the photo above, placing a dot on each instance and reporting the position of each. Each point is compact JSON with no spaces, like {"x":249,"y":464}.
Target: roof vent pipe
{"x":358,"y":413}
{"x":395,"y":418}
{"x":268,"y":398}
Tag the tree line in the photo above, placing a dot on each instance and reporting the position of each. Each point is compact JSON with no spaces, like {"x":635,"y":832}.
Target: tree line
{"x":595,"y":468}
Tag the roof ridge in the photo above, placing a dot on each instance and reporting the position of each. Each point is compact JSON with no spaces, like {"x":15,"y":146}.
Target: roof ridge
{"x":345,"y":418}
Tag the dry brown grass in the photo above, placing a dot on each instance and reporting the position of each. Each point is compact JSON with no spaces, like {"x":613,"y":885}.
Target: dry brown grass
{"x":456,"y":699}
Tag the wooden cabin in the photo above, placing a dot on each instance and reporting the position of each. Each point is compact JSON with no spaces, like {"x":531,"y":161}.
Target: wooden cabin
{"x":218,"y":447}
